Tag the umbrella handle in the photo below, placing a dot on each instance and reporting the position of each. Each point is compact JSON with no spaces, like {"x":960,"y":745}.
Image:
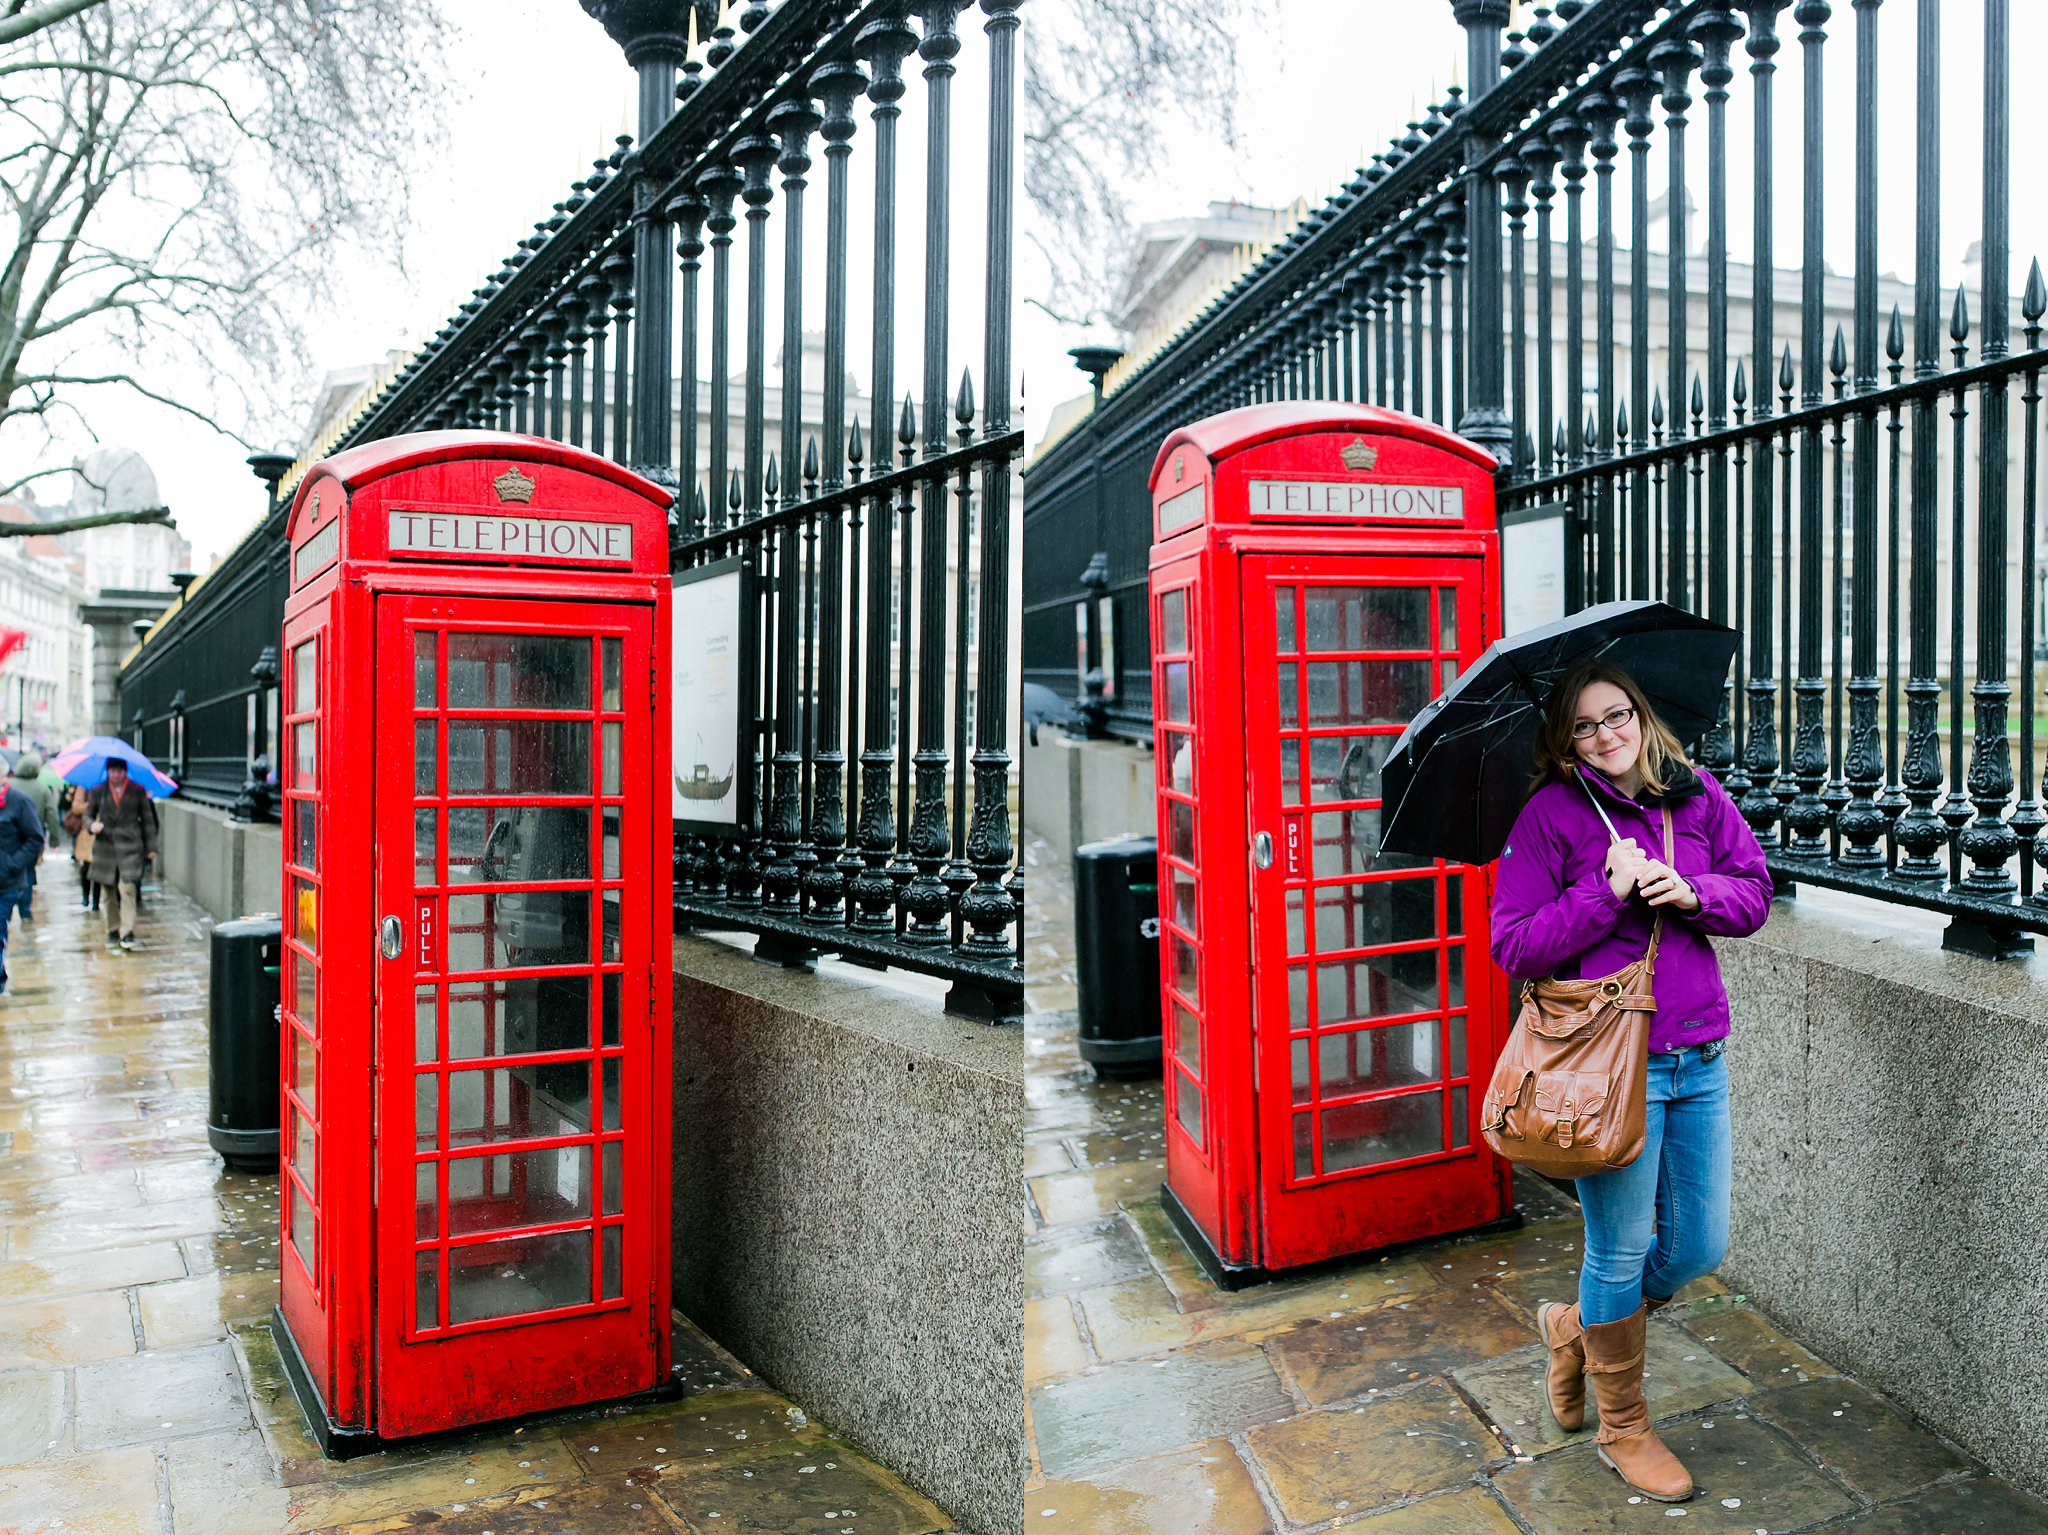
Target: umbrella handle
{"x":1598,"y":808}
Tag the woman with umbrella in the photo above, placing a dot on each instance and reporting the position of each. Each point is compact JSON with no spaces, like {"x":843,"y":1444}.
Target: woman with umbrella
{"x":1576,"y":895}
{"x":1601,"y":702}
{"x":118,"y":781}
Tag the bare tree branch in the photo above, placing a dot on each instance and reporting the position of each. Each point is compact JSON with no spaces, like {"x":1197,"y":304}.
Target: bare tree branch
{"x":159,"y":514}
{"x":26,"y":23}
{"x":1107,"y":84}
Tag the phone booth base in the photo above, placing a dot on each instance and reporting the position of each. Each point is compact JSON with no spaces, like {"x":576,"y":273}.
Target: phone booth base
{"x":1320,"y":571}
{"x":476,"y":1015}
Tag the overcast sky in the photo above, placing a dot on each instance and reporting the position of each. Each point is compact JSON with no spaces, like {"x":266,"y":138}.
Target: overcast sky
{"x":1330,"y":81}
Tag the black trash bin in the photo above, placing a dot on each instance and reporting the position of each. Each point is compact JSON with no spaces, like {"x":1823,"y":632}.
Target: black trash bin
{"x":1116,"y":954}
{"x":244,"y":1023}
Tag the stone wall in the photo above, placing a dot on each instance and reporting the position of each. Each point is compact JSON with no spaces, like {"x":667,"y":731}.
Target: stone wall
{"x":1891,"y":1171}
{"x":847,"y":1166}
{"x":232,"y":868}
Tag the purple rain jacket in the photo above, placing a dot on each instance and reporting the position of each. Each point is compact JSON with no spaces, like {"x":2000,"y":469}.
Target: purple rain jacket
{"x":1554,"y":913}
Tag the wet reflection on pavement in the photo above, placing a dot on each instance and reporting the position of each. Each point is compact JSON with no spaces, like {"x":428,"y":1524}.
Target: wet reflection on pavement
{"x":140,"y":1390}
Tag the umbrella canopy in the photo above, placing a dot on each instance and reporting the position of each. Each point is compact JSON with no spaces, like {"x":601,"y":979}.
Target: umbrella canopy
{"x":84,"y":764}
{"x":1455,"y":781}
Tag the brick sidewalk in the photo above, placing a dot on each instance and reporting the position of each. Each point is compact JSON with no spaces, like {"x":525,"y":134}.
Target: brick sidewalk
{"x":1401,"y":1395}
{"x":140,"y":1392}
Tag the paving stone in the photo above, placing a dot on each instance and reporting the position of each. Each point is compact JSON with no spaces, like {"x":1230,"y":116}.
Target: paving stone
{"x":1333,"y":1358}
{"x":1046,"y":1154}
{"x":1080,"y":1257}
{"x":1748,"y":1479}
{"x":823,"y":1486}
{"x":224,"y":1484}
{"x":682,"y":1436}
{"x":1052,"y":1340}
{"x":112,"y":1493}
{"x":1324,"y":1464}
{"x":32,"y":1414}
{"x":1134,"y":1319}
{"x":1548,"y":1244}
{"x":433,"y":1483}
{"x":1539,"y":1199}
{"x":72,"y":1329}
{"x":55,"y":1198}
{"x":1127,"y":1411}
{"x":1859,"y":1436}
{"x":1063,"y":1198}
{"x":202,"y":1310}
{"x":1680,"y":1374}
{"x":615,"y":1506}
{"x":1471,"y":1512}
{"x":1169,"y":1253}
{"x":159,"y":1396}
{"x":113,"y":1269}
{"x":1138,"y":1144}
{"x":1959,"y":1508}
{"x":231,"y":1252}
{"x":1202,"y":1490}
{"x":697,"y":1364}
{"x":1750,"y":1343}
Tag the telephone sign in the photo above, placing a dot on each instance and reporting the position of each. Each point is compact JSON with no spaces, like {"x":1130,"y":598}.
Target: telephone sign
{"x":1319,"y":572}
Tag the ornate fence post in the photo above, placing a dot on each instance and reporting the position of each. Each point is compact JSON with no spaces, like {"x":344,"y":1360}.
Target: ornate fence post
{"x":1485,"y":420}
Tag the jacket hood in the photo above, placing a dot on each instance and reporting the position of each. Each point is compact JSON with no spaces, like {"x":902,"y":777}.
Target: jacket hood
{"x":28,"y":765}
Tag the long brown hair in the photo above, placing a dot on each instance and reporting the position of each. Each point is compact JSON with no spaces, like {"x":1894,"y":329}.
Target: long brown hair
{"x":1555,"y":758}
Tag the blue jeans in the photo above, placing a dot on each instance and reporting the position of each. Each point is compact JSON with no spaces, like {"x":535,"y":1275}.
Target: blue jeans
{"x":1661,"y":1222}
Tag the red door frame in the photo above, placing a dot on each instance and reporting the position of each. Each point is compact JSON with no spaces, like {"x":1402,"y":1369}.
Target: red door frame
{"x":508,"y":1365}
{"x":1305,"y":1218}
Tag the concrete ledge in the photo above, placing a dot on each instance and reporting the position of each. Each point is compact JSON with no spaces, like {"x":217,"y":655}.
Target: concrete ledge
{"x":846,"y":1166}
{"x":232,"y":868}
{"x":1891,"y":1170}
{"x":1083,"y":791}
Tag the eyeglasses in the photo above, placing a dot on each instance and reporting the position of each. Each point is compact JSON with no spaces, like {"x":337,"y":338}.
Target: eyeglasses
{"x":1613,"y":720}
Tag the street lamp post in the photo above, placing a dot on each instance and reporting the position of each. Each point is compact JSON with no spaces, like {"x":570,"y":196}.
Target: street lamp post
{"x":1092,"y":703}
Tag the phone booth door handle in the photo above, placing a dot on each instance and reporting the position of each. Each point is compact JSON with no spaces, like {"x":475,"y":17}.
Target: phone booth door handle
{"x":391,"y":938}
{"x":1262,"y":850}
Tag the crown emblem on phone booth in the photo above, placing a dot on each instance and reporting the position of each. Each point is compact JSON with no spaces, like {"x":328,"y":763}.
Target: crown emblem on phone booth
{"x":1358,"y":454}
{"x":513,"y":486}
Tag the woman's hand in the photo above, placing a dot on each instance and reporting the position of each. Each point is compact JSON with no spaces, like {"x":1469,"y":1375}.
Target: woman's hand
{"x":1625,"y":863}
{"x":1663,"y":885}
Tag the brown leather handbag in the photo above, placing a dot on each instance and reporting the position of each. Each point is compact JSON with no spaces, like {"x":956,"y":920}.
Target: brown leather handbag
{"x":1567,"y":1095}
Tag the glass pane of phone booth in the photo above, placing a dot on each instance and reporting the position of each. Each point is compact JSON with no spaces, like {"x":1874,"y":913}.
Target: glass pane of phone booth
{"x":516,"y":1119}
{"x":302,"y":810}
{"x":1375,"y":1000}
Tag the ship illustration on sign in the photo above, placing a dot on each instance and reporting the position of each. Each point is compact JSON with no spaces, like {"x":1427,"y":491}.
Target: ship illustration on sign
{"x":700,"y":784}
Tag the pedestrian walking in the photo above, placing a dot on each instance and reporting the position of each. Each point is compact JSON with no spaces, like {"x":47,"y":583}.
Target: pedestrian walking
{"x":1577,"y":895}
{"x":42,"y":790}
{"x":21,"y":844}
{"x":81,"y":850}
{"x":123,"y":827}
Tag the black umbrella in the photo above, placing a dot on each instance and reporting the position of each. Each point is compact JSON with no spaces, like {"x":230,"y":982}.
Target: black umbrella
{"x":1455,"y":781}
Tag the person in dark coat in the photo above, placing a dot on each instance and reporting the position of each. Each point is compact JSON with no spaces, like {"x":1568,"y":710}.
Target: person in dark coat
{"x":21,"y":844}
{"x":41,"y":790}
{"x":123,"y":826}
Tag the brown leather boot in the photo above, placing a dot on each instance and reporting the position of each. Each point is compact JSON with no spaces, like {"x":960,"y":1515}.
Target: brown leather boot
{"x":1652,"y":1305}
{"x":1614,"y":1362}
{"x":1565,"y":1386}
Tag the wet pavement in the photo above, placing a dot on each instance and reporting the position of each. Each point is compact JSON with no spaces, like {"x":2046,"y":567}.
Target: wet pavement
{"x":140,"y":1390}
{"x":1400,"y":1394}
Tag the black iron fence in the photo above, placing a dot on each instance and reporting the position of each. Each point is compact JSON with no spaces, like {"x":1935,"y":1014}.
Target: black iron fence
{"x":1790,"y":449}
{"x":876,"y":533}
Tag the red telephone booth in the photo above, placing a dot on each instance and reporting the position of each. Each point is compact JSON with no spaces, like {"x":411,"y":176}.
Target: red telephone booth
{"x":477,"y":921}
{"x":1319,"y":572}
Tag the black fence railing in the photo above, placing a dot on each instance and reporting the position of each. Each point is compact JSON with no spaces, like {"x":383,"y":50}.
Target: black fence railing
{"x":879,"y":683}
{"x":1844,"y":496}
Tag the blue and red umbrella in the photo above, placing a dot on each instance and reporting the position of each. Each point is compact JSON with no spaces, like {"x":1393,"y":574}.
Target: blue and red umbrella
{"x":83,"y":764}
